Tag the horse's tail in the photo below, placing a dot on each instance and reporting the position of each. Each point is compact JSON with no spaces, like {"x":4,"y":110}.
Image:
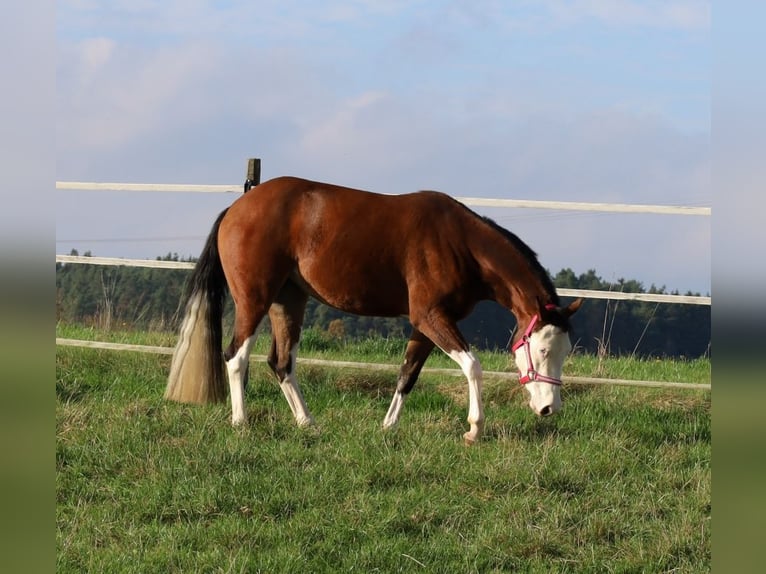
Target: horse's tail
{"x":197,"y":369}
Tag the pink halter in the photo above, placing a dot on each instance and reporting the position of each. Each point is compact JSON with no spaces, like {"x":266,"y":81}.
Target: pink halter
{"x":532,"y":374}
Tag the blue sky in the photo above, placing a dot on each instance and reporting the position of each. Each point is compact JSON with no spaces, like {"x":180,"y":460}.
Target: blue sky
{"x":589,"y":100}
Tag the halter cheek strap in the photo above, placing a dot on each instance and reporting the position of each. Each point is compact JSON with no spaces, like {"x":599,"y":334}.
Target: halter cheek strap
{"x":532,"y":374}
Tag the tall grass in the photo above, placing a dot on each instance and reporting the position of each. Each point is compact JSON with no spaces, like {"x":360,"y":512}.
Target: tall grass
{"x":617,"y":482}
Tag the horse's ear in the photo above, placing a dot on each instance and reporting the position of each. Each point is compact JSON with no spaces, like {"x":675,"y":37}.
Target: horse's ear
{"x":570,"y":309}
{"x":545,"y":310}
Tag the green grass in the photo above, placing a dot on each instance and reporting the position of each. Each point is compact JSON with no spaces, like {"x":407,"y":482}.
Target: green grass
{"x":619,"y":481}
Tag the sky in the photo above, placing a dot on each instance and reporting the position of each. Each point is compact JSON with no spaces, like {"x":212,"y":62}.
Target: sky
{"x":581,"y":100}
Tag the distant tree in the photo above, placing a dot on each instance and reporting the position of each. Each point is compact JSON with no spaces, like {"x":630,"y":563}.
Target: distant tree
{"x":336,"y":329}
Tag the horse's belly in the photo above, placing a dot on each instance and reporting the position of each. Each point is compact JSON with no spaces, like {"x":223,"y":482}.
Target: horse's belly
{"x":375,"y":295}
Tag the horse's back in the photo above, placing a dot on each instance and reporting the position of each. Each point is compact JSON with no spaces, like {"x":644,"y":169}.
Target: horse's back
{"x":310,"y":213}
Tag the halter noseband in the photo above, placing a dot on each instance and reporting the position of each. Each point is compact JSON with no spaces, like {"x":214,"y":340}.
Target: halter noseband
{"x":532,"y":374}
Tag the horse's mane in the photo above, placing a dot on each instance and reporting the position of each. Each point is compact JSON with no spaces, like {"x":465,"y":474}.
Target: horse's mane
{"x":526,"y":252}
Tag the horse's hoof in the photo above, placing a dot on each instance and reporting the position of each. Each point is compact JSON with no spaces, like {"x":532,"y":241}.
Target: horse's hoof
{"x":469,"y":439}
{"x":306,"y":423}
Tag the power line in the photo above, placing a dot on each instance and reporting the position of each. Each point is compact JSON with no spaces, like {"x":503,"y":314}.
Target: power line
{"x":132,"y":239}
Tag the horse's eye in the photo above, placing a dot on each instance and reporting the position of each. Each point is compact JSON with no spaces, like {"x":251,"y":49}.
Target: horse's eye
{"x":544,"y":352}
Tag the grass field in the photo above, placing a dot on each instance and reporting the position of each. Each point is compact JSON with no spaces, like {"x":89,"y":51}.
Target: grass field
{"x":619,"y":481}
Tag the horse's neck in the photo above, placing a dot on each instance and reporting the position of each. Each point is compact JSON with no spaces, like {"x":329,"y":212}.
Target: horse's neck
{"x":511,"y":277}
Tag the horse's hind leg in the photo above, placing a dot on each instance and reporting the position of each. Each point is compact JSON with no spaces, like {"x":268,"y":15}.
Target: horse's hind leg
{"x":237,"y":357}
{"x":418,"y":348}
{"x":286,"y":315}
{"x":250,"y":306}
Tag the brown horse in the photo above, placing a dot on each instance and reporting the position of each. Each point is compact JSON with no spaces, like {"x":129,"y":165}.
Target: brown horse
{"x":422,"y":255}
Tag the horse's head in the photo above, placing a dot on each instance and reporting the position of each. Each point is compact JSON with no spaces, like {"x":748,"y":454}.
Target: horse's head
{"x":540,"y":353}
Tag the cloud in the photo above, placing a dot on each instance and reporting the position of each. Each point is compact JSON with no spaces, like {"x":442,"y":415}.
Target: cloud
{"x":669,"y":14}
{"x":111,"y":95}
{"x":551,"y":153}
{"x":372,"y":133}
{"x":95,"y":53}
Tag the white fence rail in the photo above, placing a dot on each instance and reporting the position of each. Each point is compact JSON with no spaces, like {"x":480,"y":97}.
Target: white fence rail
{"x":386,"y":366}
{"x":588,"y":293}
{"x":471,"y":201}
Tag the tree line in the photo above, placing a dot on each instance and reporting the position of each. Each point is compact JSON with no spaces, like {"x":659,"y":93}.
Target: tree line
{"x":116,"y":297}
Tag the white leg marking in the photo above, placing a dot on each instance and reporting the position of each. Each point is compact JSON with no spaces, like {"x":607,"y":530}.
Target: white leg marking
{"x":393,"y":411}
{"x":472,"y":370}
{"x":295,"y":399}
{"x":236,"y":367}
{"x":293,"y":394}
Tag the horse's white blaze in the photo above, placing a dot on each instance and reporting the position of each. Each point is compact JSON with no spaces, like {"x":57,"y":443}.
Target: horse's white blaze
{"x":393,"y":411}
{"x":472,"y":370}
{"x":292,"y":392}
{"x":236,"y":367}
{"x":548,"y":348}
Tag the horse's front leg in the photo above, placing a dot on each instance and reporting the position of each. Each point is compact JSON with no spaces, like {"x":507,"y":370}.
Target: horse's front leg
{"x":443,"y":331}
{"x":472,"y":370}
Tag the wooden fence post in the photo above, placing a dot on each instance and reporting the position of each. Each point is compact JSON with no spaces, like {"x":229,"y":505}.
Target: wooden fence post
{"x":253,"y":177}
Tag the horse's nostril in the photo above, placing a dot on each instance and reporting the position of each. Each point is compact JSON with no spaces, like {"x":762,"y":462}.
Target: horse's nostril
{"x":545,"y":411}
